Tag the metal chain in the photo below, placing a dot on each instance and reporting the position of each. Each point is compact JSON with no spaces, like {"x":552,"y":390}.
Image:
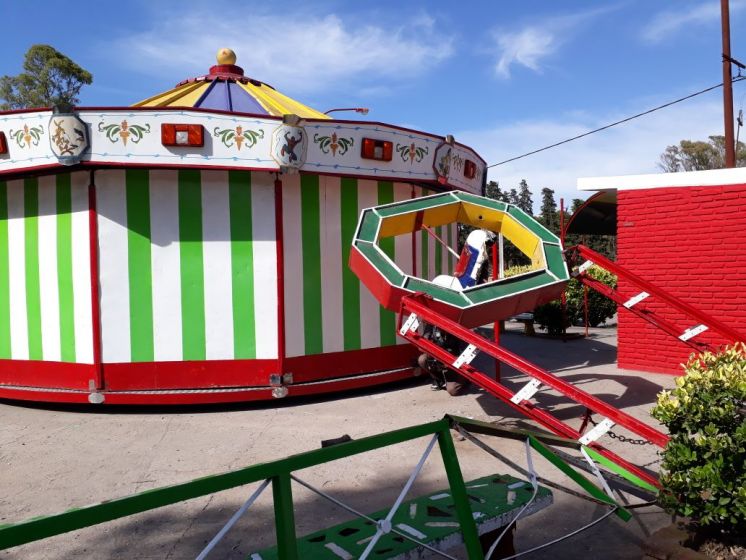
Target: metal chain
{"x":622,"y":438}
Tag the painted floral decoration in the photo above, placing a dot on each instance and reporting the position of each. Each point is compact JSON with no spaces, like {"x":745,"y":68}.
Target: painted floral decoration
{"x":333,"y":143}
{"x":457,"y":161}
{"x":237,"y":136}
{"x":27,"y":136}
{"x":412,"y":152}
{"x":125,"y":131}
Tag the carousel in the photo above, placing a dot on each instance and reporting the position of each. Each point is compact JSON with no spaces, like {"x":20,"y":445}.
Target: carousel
{"x":194,"y":247}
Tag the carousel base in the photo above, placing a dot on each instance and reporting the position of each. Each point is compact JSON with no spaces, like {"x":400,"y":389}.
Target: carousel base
{"x":204,"y":382}
{"x":203,"y":396}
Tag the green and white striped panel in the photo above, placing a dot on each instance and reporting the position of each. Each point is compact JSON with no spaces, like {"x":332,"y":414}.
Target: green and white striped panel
{"x":327,"y":309}
{"x":435,"y":259}
{"x":45,"y":273}
{"x":188,"y":265}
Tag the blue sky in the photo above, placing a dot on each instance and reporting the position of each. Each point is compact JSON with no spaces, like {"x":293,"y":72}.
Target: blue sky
{"x":503,"y":77}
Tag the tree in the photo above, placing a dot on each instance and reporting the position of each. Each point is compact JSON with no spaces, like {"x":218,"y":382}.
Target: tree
{"x":492,"y":190}
{"x":525,"y":201}
{"x":511,"y":254}
{"x":549,"y":215}
{"x":49,"y":79}
{"x":697,"y":155}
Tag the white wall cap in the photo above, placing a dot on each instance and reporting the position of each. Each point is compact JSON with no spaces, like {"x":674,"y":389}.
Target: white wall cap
{"x":710,"y":178}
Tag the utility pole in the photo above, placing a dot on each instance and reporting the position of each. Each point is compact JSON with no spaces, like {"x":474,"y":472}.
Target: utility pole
{"x":730,"y":148}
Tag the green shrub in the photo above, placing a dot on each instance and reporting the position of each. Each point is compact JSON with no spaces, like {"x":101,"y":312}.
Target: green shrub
{"x":600,"y":308}
{"x":704,"y":464}
{"x":549,"y":317}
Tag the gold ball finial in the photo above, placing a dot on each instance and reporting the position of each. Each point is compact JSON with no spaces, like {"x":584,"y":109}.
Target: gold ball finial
{"x":226,"y":56}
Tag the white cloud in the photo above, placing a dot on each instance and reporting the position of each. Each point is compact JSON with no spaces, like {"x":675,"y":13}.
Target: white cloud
{"x":526,"y":47}
{"x":669,"y":22}
{"x":627,"y":149}
{"x":531,"y":44}
{"x":298,"y":52}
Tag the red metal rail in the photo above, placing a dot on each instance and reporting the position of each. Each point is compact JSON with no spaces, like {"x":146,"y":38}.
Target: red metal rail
{"x":580,"y":252}
{"x":418,"y":306}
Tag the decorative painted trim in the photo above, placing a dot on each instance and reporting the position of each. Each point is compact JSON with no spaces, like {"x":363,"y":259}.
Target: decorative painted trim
{"x":237,"y":136}
{"x":442,"y":163}
{"x":289,"y":145}
{"x":412,"y":152}
{"x":27,"y":135}
{"x":237,"y":141}
{"x":457,"y":162}
{"x":65,"y":145}
{"x":125,"y":131}
{"x":333,"y":143}
{"x":68,"y":137}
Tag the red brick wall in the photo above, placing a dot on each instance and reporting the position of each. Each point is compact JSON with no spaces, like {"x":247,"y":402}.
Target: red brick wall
{"x":691,"y":241}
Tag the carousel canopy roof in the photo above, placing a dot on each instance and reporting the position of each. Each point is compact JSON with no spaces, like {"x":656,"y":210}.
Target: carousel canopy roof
{"x":597,"y":216}
{"x":226,"y":88}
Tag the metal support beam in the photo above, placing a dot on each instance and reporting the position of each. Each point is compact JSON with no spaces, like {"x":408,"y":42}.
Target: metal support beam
{"x":282,"y":492}
{"x":460,"y":497}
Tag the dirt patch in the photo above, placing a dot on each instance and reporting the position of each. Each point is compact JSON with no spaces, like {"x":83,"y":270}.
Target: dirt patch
{"x":682,"y":541}
{"x":721,"y":547}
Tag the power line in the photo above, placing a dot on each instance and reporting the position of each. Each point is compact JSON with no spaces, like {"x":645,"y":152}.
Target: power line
{"x":736,"y":79}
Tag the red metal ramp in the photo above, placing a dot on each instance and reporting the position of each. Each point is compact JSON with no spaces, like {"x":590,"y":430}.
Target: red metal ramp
{"x":580,"y":258}
{"x":421,"y":302}
{"x":415,"y":312}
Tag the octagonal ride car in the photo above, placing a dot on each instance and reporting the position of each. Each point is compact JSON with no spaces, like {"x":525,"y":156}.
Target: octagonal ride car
{"x":471,"y":306}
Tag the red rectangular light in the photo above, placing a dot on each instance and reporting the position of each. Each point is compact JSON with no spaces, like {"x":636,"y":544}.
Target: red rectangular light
{"x":381,"y":150}
{"x":3,"y":144}
{"x":470,"y":169}
{"x":182,"y":135}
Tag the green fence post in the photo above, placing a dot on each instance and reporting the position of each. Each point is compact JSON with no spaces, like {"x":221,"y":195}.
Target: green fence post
{"x":282,"y":493}
{"x":460,"y":498}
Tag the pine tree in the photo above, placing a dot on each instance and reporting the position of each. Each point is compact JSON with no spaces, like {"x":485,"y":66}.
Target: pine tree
{"x":513,"y":257}
{"x":525,"y":201}
{"x":549,"y":215}
{"x":492,"y":190}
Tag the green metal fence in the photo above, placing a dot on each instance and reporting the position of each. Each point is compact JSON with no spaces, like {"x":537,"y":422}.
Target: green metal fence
{"x":279,"y":475}
{"x":278,"y":472}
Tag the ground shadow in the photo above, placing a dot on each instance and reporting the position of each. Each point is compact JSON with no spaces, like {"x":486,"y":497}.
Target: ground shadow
{"x":179,"y":531}
{"x":634,"y":391}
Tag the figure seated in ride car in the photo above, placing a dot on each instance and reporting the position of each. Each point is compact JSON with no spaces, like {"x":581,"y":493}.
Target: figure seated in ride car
{"x":471,"y":270}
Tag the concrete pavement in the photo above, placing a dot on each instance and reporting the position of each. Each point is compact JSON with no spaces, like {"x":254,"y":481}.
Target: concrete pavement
{"x":55,"y":458}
